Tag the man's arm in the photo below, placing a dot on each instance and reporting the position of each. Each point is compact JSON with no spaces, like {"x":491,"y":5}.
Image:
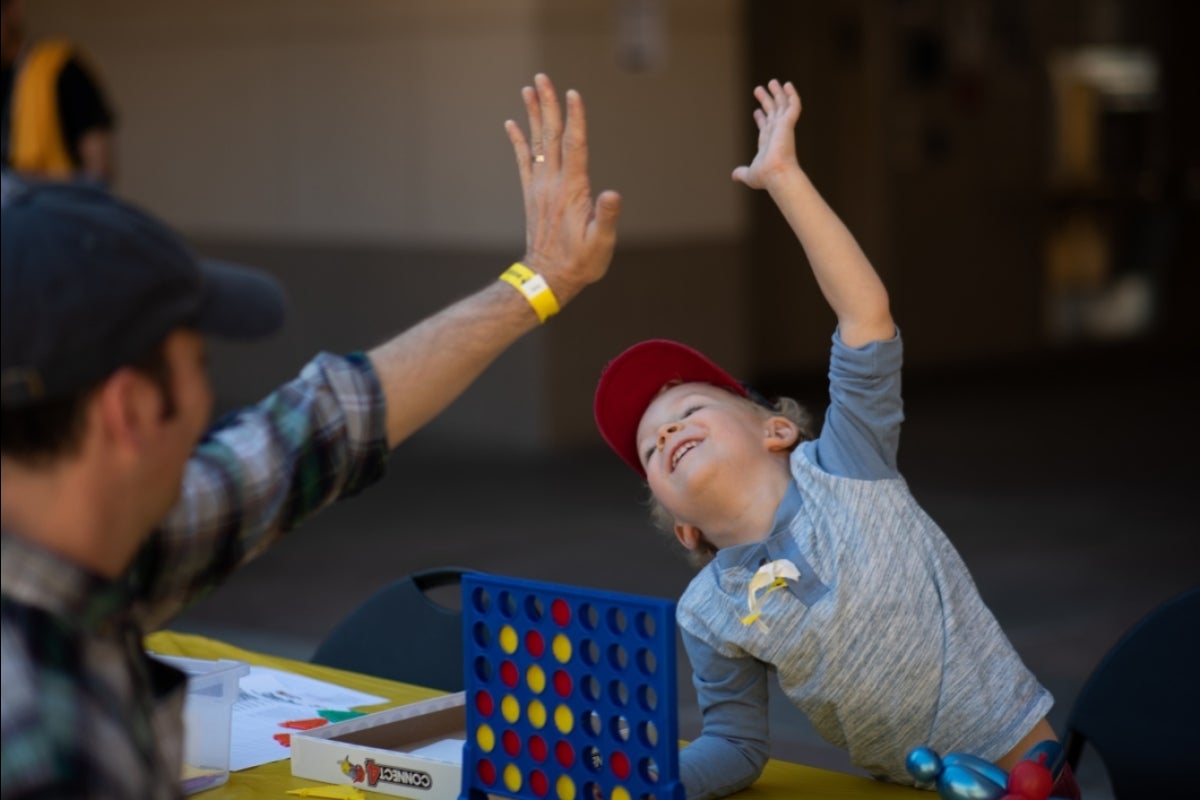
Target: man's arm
{"x":322,"y":436}
{"x":569,"y":240}
{"x":849,"y":282}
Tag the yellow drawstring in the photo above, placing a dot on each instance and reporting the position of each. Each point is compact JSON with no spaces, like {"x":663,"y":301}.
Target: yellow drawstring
{"x":770,"y":576}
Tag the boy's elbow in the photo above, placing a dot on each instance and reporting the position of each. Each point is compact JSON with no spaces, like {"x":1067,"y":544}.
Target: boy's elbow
{"x":712,"y":768}
{"x":754,"y":762}
{"x":861,"y":330}
{"x":877,"y":314}
{"x":756,"y":752}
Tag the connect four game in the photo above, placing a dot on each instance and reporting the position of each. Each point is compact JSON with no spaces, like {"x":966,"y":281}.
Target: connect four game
{"x":570,"y":693}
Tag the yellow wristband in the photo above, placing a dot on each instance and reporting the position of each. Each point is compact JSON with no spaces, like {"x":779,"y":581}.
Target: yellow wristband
{"x":534,"y":288}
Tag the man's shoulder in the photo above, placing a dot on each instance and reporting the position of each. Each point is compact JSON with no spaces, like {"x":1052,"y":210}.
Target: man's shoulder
{"x":22,"y":690}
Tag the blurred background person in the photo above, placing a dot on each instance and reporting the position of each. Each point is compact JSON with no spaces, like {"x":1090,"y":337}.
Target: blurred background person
{"x":57,"y":121}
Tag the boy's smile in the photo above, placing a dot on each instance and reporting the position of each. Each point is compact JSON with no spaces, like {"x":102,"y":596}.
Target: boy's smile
{"x":682,"y":449}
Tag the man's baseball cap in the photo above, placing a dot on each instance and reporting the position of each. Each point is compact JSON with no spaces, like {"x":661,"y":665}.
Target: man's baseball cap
{"x":91,"y":283}
{"x":634,"y":378}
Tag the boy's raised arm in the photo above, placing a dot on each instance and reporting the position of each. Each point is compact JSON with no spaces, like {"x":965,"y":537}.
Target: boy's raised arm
{"x":850,"y":284}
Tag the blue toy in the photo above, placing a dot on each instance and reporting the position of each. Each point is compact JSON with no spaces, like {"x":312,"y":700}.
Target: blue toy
{"x":962,"y":776}
{"x":570,"y":693}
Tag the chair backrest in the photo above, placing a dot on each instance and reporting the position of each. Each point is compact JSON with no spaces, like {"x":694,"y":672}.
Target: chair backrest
{"x":1140,"y":708}
{"x":401,"y":633}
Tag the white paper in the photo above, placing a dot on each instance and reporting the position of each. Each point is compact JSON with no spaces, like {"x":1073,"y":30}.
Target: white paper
{"x":268,"y":697}
{"x":299,"y":689}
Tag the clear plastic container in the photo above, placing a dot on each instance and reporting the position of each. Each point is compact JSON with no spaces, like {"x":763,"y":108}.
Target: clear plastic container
{"x":207,"y":714}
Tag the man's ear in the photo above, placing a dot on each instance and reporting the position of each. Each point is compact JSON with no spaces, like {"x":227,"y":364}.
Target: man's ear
{"x":780,"y":433}
{"x":688,"y":535}
{"x":124,"y":409}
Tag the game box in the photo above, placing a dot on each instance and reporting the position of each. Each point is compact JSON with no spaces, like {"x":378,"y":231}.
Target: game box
{"x":408,"y":751}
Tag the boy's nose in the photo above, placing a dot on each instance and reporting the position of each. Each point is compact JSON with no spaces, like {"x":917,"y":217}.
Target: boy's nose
{"x":665,"y":431}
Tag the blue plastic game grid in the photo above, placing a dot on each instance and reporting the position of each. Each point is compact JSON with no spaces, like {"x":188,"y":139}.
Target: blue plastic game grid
{"x":570,"y":693}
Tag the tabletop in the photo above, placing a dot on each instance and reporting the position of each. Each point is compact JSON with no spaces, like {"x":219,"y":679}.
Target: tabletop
{"x":780,"y":780}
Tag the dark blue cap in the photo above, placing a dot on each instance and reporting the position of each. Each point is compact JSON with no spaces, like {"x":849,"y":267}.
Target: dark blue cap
{"x":92,"y":283}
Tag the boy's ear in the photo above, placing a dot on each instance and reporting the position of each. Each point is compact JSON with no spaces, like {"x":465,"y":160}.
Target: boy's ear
{"x":781,"y":434}
{"x":688,"y":535}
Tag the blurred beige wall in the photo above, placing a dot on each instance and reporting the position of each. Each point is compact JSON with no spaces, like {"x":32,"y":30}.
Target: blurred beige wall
{"x":355,"y":148}
{"x":380,"y":121}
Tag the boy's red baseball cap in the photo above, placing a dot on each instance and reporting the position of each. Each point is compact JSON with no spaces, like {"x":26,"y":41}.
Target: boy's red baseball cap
{"x":634,"y":378}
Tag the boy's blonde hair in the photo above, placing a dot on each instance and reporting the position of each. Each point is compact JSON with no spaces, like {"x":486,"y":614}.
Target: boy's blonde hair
{"x":782,"y":407}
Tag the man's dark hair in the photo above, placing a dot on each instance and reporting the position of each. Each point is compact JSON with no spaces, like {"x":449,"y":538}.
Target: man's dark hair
{"x":44,"y":432}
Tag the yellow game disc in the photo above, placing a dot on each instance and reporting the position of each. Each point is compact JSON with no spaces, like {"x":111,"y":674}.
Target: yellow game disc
{"x":565,"y":788}
{"x":537,"y":714}
{"x":510,"y":708}
{"x":536,"y":679}
{"x":486,"y":738}
{"x":562,"y":648}
{"x":619,"y":793}
{"x":564,"y":719}
{"x":508,"y":639}
{"x":512,"y":778}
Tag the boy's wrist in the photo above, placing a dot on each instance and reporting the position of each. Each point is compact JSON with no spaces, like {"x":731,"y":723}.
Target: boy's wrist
{"x":780,"y":180}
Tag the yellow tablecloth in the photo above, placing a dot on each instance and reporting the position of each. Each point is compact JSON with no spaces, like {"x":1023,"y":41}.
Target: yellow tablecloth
{"x":780,"y":780}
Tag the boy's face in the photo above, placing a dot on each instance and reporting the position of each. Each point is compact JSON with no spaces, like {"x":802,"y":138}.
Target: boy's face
{"x":698,"y":443}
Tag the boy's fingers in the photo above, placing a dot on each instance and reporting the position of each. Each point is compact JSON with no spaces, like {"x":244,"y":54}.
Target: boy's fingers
{"x":764,"y":99}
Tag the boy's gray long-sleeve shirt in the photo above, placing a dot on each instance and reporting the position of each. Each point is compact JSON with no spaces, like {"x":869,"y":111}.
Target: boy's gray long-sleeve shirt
{"x":883,"y":641}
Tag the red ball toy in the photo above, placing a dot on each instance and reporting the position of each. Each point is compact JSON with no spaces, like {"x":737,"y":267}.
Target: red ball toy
{"x":1030,"y":780}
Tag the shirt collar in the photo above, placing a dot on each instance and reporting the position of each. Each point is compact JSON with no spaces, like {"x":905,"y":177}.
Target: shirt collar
{"x":42,"y":579}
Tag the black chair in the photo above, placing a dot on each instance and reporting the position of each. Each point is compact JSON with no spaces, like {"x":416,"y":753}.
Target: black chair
{"x":401,"y":633}
{"x":1140,"y":708}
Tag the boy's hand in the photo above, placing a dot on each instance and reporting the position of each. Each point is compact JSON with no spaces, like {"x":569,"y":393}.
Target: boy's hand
{"x":776,"y":120}
{"x":569,"y":237}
